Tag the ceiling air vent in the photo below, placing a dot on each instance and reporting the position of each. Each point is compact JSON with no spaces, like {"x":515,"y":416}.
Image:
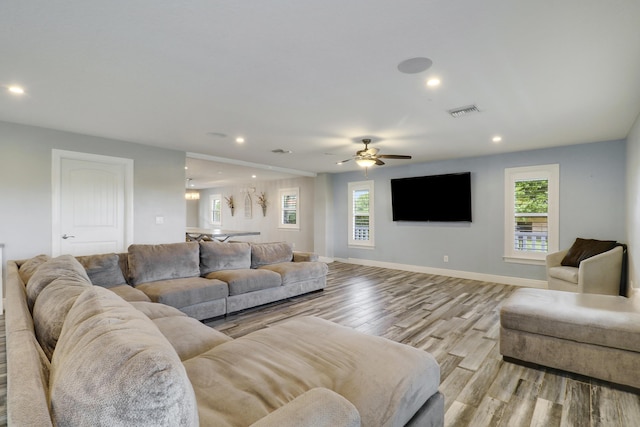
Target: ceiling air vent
{"x":463,"y":111}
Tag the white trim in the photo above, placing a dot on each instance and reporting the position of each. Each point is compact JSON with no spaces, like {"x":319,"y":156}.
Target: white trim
{"x":56,"y":160}
{"x":551,"y":173}
{"x":351,"y":188}
{"x":250,"y":164}
{"x":505,"y":280}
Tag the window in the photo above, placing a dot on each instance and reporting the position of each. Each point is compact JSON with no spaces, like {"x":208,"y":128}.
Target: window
{"x":289,"y":208}
{"x":215,"y":209}
{"x":361,"y":213}
{"x":531,"y":213}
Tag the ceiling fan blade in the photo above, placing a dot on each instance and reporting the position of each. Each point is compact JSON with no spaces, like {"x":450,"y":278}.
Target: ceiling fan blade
{"x":379,"y":162}
{"x":343,"y":161}
{"x":393,"y":156}
{"x":372,"y":151}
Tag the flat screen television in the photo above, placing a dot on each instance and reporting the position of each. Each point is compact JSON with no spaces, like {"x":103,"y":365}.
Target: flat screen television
{"x":434,"y":198}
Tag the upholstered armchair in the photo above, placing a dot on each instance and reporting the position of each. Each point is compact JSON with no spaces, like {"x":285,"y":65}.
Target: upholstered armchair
{"x":597,"y":274}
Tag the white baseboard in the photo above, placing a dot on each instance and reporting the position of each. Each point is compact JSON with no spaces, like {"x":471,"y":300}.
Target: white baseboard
{"x":506,"y":280}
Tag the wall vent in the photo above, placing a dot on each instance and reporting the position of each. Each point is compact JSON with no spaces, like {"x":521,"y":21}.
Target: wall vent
{"x":463,"y":111}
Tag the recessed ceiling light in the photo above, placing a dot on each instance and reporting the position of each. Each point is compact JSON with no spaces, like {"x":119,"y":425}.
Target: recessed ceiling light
{"x":433,"y":82}
{"x":496,"y":138}
{"x":414,"y":65}
{"x":16,"y":90}
{"x":339,"y":163}
{"x":239,"y":140}
{"x":253,"y":176}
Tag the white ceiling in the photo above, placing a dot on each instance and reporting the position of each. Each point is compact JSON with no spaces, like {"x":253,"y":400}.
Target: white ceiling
{"x":316,"y":77}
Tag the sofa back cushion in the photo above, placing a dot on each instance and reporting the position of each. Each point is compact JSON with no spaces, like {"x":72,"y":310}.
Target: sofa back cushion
{"x":270,"y":253}
{"x":30,"y":266}
{"x":151,"y":263}
{"x":103,"y":270}
{"x":112,"y":366}
{"x":64,"y":266}
{"x":216,"y":256}
{"x":51,"y":308}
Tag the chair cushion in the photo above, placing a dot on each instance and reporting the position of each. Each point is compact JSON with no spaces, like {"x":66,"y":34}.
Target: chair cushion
{"x":270,"y":253}
{"x":585,"y":248}
{"x":215,"y":256}
{"x":568,"y":274}
{"x":180,"y":293}
{"x":103,"y":270}
{"x":112,"y":366}
{"x":151,"y":263}
{"x":249,"y":280}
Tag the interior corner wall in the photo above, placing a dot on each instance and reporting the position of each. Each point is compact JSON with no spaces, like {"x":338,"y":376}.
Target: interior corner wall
{"x":26,"y":188}
{"x":633,"y":202}
{"x":323,"y":218}
{"x":592,"y":204}
{"x":267,"y":225}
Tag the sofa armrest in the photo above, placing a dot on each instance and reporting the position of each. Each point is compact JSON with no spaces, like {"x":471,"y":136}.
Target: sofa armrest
{"x":600,"y":274}
{"x":304,"y":256}
{"x":554,"y":259}
{"x":318,"y":407}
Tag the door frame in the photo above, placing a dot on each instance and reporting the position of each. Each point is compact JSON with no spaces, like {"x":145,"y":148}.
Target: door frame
{"x":56,"y":166}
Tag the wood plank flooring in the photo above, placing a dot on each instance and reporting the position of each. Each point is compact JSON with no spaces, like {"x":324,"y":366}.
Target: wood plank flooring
{"x":457,"y":321}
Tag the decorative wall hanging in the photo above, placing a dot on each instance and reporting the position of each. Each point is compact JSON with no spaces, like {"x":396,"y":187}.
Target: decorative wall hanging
{"x":230,"y":203}
{"x":262,"y":201}
{"x":247,"y":206}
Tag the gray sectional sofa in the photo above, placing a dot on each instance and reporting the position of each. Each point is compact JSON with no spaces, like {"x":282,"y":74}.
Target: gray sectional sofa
{"x":80,"y":354}
{"x":208,"y":279}
{"x":588,"y":334}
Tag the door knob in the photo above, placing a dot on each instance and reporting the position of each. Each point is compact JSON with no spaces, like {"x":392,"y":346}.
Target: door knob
{"x":66,"y":236}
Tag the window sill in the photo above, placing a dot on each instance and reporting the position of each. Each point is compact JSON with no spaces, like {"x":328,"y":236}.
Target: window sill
{"x":354,"y":246}
{"x":528,"y":261}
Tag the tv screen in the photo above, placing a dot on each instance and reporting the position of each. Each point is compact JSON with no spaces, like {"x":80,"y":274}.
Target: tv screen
{"x":436,"y":198}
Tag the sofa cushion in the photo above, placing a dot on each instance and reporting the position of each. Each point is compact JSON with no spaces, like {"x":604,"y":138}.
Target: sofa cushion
{"x":129,"y":293}
{"x":103,"y":270}
{"x":64,"y":266}
{"x":605,"y":320}
{"x":180,"y":293}
{"x":386,"y":381}
{"x":51,"y":307}
{"x":188,"y":336}
{"x":215,"y":256}
{"x":151,"y":263}
{"x":30,"y":266}
{"x":585,"y":248}
{"x":249,"y":280}
{"x":112,"y":366}
{"x":153,"y":310}
{"x":294,"y":272}
{"x":270,"y":253}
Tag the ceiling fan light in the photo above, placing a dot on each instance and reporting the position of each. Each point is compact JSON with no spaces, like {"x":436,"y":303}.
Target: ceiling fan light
{"x":365,"y":163}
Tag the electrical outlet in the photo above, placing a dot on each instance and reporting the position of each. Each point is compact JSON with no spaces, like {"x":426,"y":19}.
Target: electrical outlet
{"x":446,"y":258}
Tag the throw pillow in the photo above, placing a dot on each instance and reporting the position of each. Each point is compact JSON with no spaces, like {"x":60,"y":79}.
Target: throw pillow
{"x":103,"y":270}
{"x":586,"y":248}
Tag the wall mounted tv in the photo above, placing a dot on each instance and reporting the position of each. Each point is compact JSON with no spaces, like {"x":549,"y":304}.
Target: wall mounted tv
{"x":435,"y":198}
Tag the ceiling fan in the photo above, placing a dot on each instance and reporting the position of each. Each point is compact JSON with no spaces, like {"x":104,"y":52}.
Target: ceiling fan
{"x":369,"y":156}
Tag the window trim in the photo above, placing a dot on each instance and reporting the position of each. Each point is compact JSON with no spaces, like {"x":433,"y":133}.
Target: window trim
{"x":356,"y":186}
{"x":213,"y":197}
{"x":551,"y":173}
{"x":281,"y":194}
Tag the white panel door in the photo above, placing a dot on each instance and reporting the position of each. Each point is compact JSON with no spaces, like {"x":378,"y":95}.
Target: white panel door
{"x":93,"y":206}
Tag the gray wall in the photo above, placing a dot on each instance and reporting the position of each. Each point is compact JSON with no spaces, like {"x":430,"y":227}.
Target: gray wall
{"x":592,"y":204}
{"x":302,"y":239}
{"x":25,"y":187}
{"x":633,"y":201}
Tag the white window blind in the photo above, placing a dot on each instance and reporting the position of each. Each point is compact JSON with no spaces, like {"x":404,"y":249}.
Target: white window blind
{"x":361,"y":231}
{"x":289,"y":208}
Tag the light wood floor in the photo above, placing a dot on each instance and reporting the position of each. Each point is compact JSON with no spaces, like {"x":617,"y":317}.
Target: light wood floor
{"x":457,"y":321}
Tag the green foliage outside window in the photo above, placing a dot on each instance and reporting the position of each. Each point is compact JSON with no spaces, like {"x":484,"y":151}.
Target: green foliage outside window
{"x":532,"y":196}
